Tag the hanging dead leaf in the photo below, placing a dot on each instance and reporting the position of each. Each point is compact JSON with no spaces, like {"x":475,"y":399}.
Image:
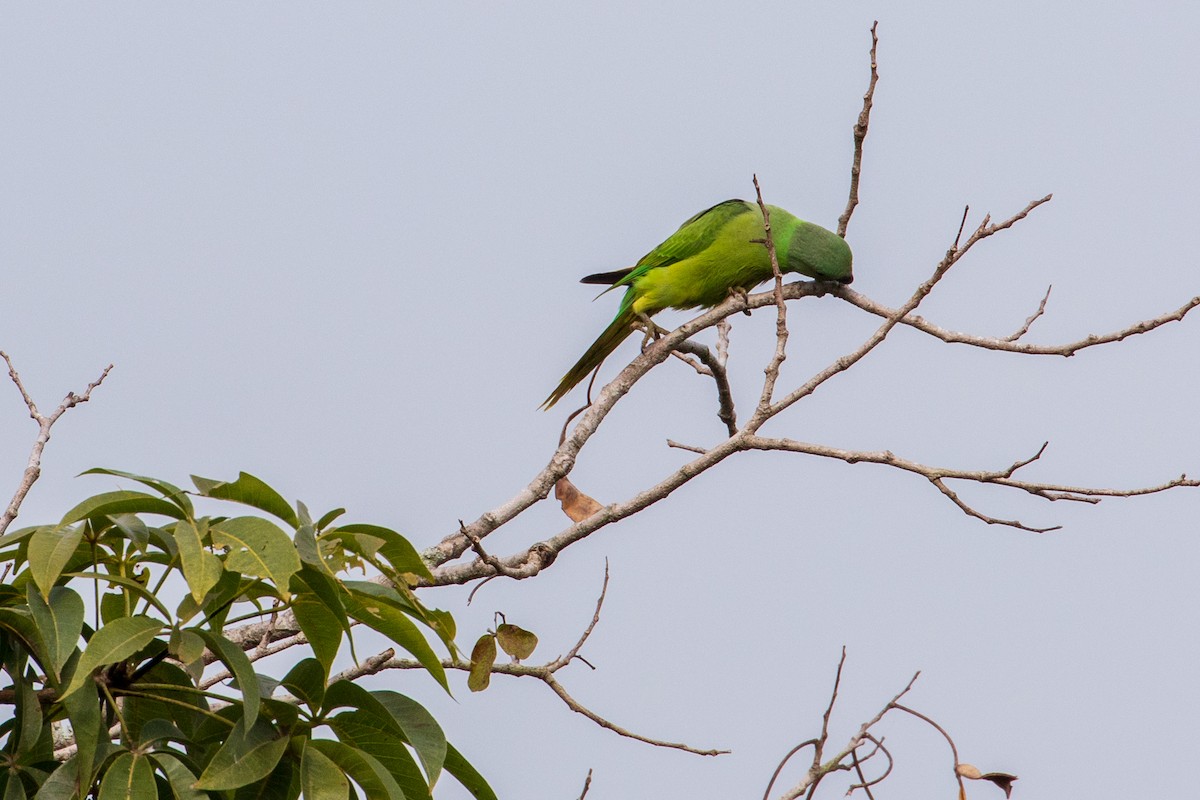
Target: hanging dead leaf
{"x":517,"y":642}
{"x":483,"y":656}
{"x":575,"y":504}
{"x":1001,"y":779}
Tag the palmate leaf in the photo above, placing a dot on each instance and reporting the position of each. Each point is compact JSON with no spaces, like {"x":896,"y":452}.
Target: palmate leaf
{"x":50,"y":548}
{"x":362,"y":768}
{"x":238,"y":663}
{"x":321,"y":778}
{"x":306,"y":682}
{"x":115,"y":642}
{"x":201,"y":569}
{"x":20,"y":624}
{"x":180,"y":779}
{"x":420,"y":729}
{"x":122,"y":501}
{"x":467,"y":775}
{"x":247,"y":755}
{"x":129,"y":777}
{"x":250,"y":491}
{"x":398,"y":551}
{"x":259,"y":548}
{"x":60,"y":623}
{"x":371,"y":734}
{"x":396,"y":625}
{"x":168,"y":491}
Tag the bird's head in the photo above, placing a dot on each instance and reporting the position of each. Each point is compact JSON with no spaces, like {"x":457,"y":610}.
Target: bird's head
{"x":820,"y":254}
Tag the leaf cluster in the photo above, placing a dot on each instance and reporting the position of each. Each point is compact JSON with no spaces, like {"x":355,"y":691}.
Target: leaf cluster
{"x":106,"y":676}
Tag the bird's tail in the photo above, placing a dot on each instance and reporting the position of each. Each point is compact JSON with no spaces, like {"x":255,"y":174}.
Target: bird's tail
{"x":616,"y":332}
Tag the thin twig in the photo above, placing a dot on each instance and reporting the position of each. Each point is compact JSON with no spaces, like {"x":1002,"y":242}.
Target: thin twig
{"x":587,"y":784}
{"x":33,"y":468}
{"x":860,"y":134}
{"x":824,"y":737}
{"x":783,"y":762}
{"x":962,"y":792}
{"x":1067,"y":349}
{"x":771,"y":371}
{"x":573,"y":653}
{"x":1024,"y":329}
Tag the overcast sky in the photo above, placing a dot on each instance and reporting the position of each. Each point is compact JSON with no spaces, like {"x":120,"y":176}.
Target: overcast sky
{"x":337,"y":246}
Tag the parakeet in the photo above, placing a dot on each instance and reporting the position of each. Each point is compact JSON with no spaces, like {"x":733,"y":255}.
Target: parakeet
{"x":715,"y":252}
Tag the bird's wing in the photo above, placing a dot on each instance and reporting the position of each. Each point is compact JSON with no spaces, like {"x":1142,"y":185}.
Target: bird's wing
{"x":693,"y":236}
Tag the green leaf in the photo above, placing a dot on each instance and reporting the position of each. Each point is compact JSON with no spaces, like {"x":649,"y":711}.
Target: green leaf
{"x":134,"y":529}
{"x":420,"y":729}
{"x":201,"y":569}
{"x":60,"y":622}
{"x":61,"y":783}
{"x":187,"y":646}
{"x":371,"y":734}
{"x":179,"y":778}
{"x":28,"y":714}
{"x":320,"y":777}
{"x":176,"y":700}
{"x":310,"y":552}
{"x":321,"y":627}
{"x":103,"y":505}
{"x":129,"y":777}
{"x":483,"y":656}
{"x":517,"y":642}
{"x":137,"y":587}
{"x":250,"y":491}
{"x":395,"y":548}
{"x":282,"y":784}
{"x":247,"y":755}
{"x":13,"y":789}
{"x":259,"y":548}
{"x":396,"y":625}
{"x":329,"y":517}
{"x":21,"y":625}
{"x":306,"y":682}
{"x":471,"y":780}
{"x":169,"y":491}
{"x":235,"y":659}
{"x":49,"y":551}
{"x":363,"y":769}
{"x":115,"y":642}
{"x":83,"y":709}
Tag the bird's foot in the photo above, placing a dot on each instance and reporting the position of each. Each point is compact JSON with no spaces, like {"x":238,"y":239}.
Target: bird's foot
{"x":737,"y":291}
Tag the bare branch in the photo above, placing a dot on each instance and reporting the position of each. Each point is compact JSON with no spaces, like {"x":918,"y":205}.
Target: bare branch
{"x":837,"y":763}
{"x":587,"y":784}
{"x":562,"y":661}
{"x":860,"y":134}
{"x":952,"y":257}
{"x":715,"y":369}
{"x":33,"y":468}
{"x":938,"y":475}
{"x":1004,"y":344}
{"x":771,"y":372}
{"x":1024,"y":329}
{"x":824,"y":737}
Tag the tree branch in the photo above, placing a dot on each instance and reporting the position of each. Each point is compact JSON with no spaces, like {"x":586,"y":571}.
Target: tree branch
{"x":860,"y":134}
{"x":33,"y":468}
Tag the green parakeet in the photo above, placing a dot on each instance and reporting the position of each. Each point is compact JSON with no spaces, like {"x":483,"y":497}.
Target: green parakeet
{"x":715,"y":252}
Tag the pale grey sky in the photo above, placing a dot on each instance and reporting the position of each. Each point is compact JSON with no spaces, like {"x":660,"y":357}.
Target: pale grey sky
{"x":337,"y":247}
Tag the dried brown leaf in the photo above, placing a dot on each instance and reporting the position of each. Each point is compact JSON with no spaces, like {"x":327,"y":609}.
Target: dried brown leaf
{"x":1001,"y":779}
{"x":575,"y":504}
{"x":517,"y":642}
{"x":483,"y":656}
